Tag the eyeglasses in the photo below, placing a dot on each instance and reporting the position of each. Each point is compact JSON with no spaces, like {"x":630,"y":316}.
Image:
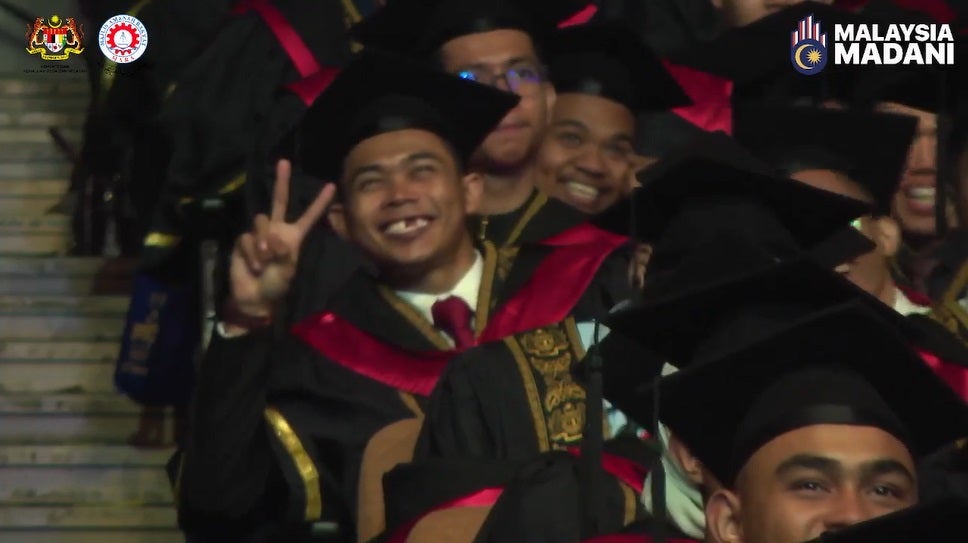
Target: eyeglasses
{"x":523,"y":76}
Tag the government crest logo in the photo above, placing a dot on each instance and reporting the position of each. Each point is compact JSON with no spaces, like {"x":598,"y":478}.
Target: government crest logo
{"x":123,"y":39}
{"x":808,"y":47}
{"x":55,"y":38}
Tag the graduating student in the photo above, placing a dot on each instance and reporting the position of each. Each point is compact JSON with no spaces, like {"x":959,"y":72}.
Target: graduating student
{"x":823,"y":152}
{"x":604,"y":77}
{"x":280,"y":425}
{"x":816,"y":402}
{"x":495,"y":42}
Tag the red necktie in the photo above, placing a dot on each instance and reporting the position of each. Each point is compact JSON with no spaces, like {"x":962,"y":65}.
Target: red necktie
{"x":453,"y":315}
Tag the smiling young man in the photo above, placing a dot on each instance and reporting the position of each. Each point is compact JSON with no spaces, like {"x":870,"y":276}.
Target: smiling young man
{"x":281,"y":423}
{"x":605,"y":76}
{"x":824,"y":417}
{"x":496,"y":43}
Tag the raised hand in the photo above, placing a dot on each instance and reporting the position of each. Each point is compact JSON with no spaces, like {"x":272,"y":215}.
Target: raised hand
{"x":264,"y":259}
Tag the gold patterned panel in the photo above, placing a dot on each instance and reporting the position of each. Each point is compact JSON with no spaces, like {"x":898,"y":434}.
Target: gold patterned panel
{"x":949,"y":312}
{"x":301,"y":460}
{"x":545,"y":357}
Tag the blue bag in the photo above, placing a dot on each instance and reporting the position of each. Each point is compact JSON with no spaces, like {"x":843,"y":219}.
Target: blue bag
{"x":161,"y":338}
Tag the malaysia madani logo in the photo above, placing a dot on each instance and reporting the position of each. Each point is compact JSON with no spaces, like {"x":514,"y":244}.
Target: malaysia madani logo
{"x":808,"y":47}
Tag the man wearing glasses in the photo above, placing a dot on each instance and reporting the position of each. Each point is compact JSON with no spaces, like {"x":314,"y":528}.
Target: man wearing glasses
{"x":496,"y":43}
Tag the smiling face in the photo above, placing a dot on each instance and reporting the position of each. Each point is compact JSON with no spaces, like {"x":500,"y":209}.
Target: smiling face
{"x":811,"y":480}
{"x":507,"y":60}
{"x":870,"y":271}
{"x":404,"y":201}
{"x":587,"y":159}
{"x":914,"y":203}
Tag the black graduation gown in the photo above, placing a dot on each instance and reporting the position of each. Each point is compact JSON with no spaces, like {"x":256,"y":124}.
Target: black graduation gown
{"x":539,"y":218}
{"x":281,"y":415}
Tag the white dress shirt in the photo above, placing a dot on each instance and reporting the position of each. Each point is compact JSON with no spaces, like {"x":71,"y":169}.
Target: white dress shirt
{"x":904,"y":305}
{"x":466,"y":289}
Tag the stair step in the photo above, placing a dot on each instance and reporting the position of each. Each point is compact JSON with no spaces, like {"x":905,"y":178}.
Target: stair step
{"x":31,"y":102}
{"x":34,"y":135}
{"x":21,"y":169}
{"x":33,"y":187}
{"x":66,"y":404}
{"x":76,"y":276}
{"x":61,"y":305}
{"x":34,"y":205}
{"x":103,"y":485}
{"x":30,"y":151}
{"x":45,"y":118}
{"x":36,"y":245}
{"x":66,"y":266}
{"x":27,"y":419}
{"x":48,"y":87}
{"x":12,"y":456}
{"x":62,"y":327}
{"x":88,"y":517}
{"x":58,"y":351}
{"x":92,"y":536}
{"x":88,"y":317}
{"x":15,"y":224}
{"x":35,"y":376}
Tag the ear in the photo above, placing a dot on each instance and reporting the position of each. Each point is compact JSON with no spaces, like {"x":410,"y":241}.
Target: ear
{"x":723,"y":517}
{"x":337,"y":219}
{"x":690,"y":465}
{"x":473,"y":184}
{"x":641,"y":162}
{"x":887,"y":236}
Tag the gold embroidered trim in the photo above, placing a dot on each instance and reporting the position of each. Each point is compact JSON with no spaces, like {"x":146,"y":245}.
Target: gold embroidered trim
{"x":631,"y":503}
{"x":158,"y":239}
{"x":411,"y":403}
{"x":505,"y":261}
{"x":486,"y":289}
{"x":949,"y":312}
{"x":539,"y":201}
{"x":531,"y":390}
{"x":425,"y":327}
{"x":300,"y":458}
{"x":546,"y":356}
{"x":351,"y":11}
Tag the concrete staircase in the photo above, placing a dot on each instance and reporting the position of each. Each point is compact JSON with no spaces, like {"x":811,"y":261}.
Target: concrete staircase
{"x":66,"y":472}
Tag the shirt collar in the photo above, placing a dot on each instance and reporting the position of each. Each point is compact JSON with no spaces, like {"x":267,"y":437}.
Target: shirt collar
{"x":466,"y":289}
{"x":904,"y":305}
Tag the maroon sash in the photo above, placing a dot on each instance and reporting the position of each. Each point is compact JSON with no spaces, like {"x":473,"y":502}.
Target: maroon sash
{"x":294,"y":46}
{"x":548,"y":297}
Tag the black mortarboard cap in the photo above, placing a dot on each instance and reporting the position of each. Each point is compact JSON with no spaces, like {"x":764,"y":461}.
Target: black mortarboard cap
{"x":940,"y":520}
{"x":757,"y":57}
{"x":840,"y":365}
{"x":380,"y":93}
{"x":421,"y":26}
{"x":611,"y":60}
{"x":682,"y":304}
{"x":714,"y":185}
{"x":870,"y":147}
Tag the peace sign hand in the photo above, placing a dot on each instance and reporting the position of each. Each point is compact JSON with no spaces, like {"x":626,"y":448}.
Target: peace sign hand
{"x":264,"y":260}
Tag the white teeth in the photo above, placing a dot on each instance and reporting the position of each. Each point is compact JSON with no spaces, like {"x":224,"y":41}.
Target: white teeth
{"x":922,"y":193}
{"x":582,"y":191}
{"x":405,"y":226}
